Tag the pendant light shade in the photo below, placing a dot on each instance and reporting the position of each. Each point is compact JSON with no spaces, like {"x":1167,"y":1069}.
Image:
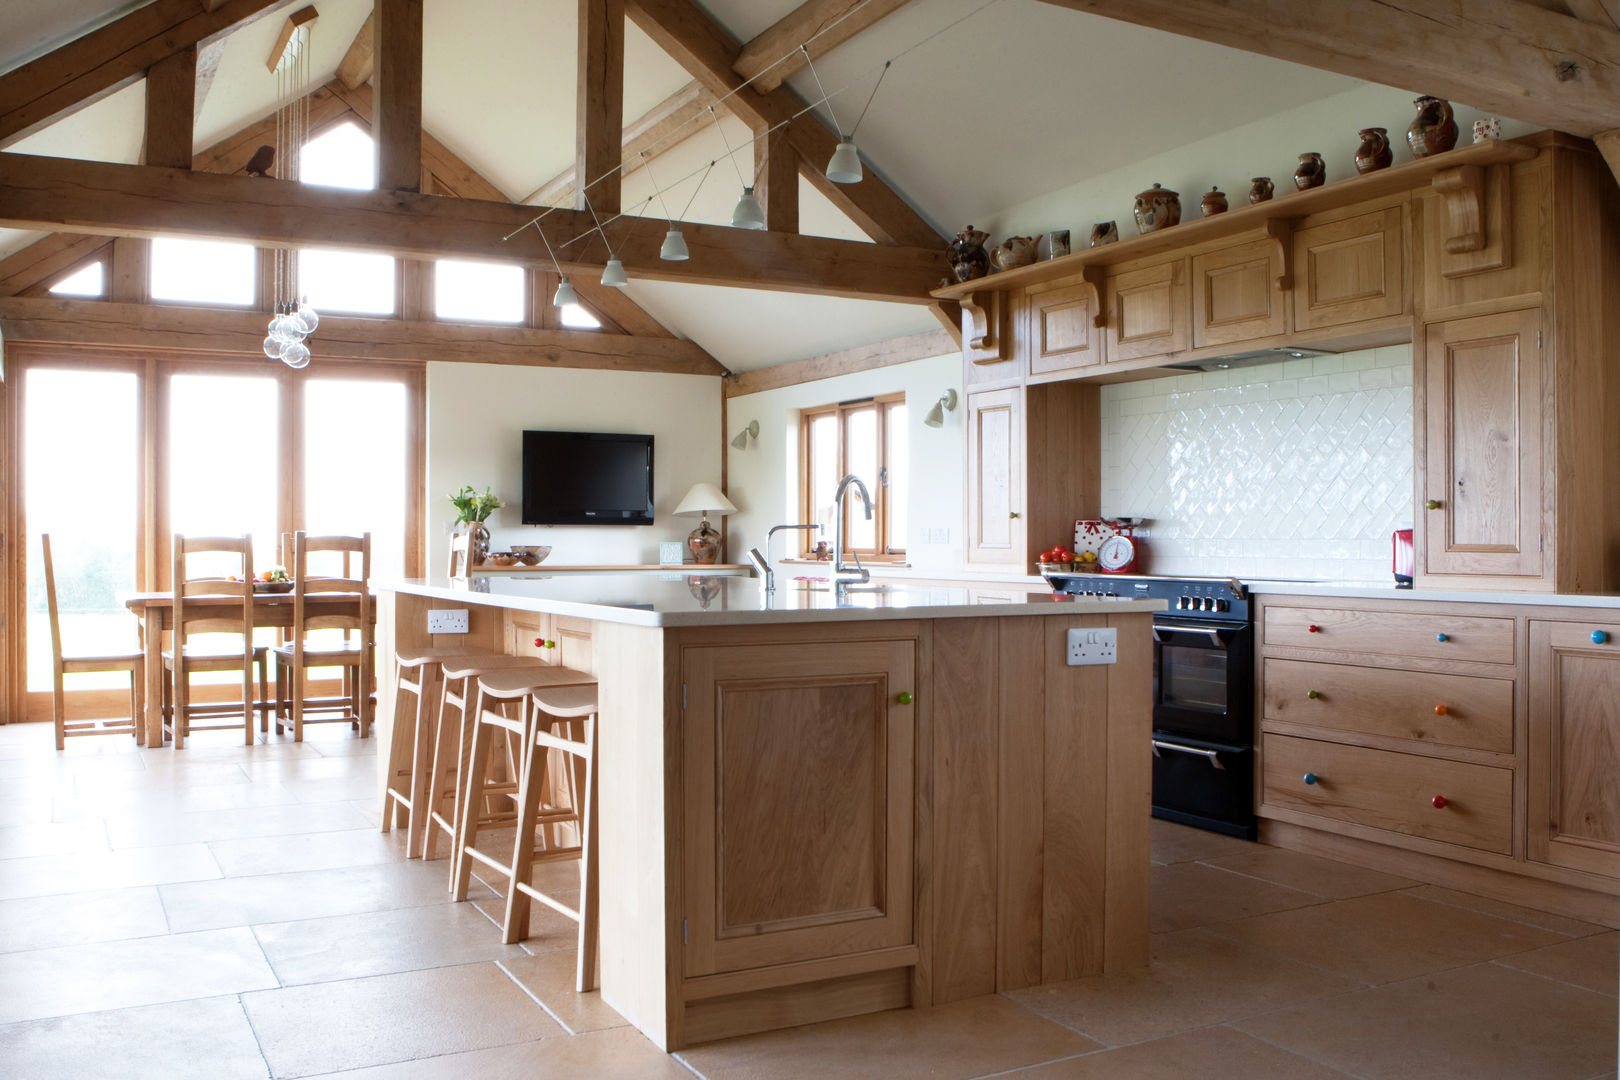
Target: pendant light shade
{"x":565,"y":293}
{"x":845,"y":166}
{"x":613,"y":273}
{"x":674,"y":249}
{"x":748,"y":215}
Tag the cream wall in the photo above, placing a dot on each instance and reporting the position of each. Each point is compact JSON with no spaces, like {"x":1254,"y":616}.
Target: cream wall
{"x":476,"y":414}
{"x":764,"y":477}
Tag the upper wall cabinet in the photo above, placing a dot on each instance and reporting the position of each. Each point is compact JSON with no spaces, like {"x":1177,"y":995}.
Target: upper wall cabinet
{"x":1147,"y":312}
{"x":1350,"y":270}
{"x":1062,"y":337}
{"x":1237,"y":294}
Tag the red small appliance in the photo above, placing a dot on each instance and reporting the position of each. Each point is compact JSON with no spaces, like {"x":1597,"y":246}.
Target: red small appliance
{"x":1403,"y":559}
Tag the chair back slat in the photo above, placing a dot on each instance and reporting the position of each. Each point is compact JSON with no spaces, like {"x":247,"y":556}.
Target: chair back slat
{"x":460,"y":555}
{"x":355,"y":581}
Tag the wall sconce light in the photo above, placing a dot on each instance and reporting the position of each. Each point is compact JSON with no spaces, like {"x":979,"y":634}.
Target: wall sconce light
{"x":749,"y":432}
{"x":945,"y":404}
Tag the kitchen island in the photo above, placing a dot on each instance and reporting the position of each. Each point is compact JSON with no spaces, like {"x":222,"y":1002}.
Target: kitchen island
{"x":817,"y":803}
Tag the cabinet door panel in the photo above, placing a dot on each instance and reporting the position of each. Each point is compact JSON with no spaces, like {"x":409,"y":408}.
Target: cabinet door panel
{"x":1061,"y":335}
{"x":1483,"y":458}
{"x":1147,"y":312}
{"x":995,"y":483}
{"x":799,"y":802}
{"x":1349,"y":271}
{"x":1236,"y":296}
{"x":1575,"y":746}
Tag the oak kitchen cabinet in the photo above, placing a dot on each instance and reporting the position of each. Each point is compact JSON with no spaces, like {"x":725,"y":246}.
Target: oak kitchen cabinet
{"x":1575,"y":745}
{"x":995,"y":482}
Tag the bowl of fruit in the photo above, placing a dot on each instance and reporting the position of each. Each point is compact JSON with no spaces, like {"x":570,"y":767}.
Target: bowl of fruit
{"x":272,"y":581}
{"x":1056,"y":560}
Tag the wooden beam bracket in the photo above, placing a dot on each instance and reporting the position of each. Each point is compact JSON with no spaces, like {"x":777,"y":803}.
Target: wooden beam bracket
{"x":1280,"y":231}
{"x":289,"y":29}
{"x":1476,"y":201}
{"x":984,"y":326}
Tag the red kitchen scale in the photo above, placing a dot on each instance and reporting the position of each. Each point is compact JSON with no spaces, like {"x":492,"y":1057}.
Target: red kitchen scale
{"x":1113,"y":541}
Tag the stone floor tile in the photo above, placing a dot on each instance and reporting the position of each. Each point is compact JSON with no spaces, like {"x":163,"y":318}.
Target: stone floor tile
{"x":380,"y":942}
{"x":147,"y":830}
{"x":617,"y":1054}
{"x":329,"y":1027}
{"x":1194,"y":979}
{"x":1483,"y":1022}
{"x":1310,"y":873}
{"x":51,"y":874}
{"x":550,"y":977}
{"x":1590,"y":962}
{"x":121,"y":974}
{"x":52,"y":838}
{"x":208,"y":1039}
{"x":1546,"y":920}
{"x":963,"y":1039}
{"x":42,"y":922}
{"x":1174,"y":843}
{"x":1193,"y":894}
{"x":253,"y":855}
{"x":1216,"y":1053}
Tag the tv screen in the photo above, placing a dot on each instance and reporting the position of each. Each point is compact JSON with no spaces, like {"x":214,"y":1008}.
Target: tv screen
{"x":587,"y":478}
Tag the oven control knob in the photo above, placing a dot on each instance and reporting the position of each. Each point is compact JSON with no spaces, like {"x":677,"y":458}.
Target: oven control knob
{"x":1203,"y":603}
{"x":1309,"y":778}
{"x":1182,"y":603}
{"x":1222,"y":605}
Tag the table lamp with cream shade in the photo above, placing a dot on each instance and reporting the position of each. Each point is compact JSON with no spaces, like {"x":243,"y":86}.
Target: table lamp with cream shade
{"x":704,"y":541}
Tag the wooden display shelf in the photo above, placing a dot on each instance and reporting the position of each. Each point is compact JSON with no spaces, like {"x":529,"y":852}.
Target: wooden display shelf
{"x":1298,"y":204}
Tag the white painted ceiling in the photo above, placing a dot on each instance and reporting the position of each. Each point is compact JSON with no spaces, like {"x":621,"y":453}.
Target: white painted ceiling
{"x":986,"y":105}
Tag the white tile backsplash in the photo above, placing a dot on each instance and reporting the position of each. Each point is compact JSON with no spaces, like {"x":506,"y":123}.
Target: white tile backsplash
{"x":1296,"y":469}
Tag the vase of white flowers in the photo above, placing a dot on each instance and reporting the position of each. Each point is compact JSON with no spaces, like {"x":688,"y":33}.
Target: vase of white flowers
{"x":472,"y":510}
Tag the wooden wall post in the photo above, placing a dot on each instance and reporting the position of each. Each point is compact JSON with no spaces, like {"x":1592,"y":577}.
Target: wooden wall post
{"x":171,"y":96}
{"x":777,"y":185}
{"x":397,"y":119}
{"x":599,"y":126}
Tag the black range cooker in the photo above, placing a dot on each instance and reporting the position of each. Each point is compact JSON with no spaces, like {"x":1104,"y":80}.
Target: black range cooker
{"x":1203,"y":695}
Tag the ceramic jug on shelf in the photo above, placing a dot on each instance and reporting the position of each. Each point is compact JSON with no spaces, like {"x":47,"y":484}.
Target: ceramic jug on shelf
{"x":1157,"y":208}
{"x":1014,"y":251}
{"x":1374,"y":152}
{"x":969,"y":260}
{"x":1312,"y":171}
{"x":1434,"y":129}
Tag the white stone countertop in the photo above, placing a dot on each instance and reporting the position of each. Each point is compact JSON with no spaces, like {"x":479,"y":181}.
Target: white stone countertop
{"x":1376,"y":591}
{"x":677,"y":599}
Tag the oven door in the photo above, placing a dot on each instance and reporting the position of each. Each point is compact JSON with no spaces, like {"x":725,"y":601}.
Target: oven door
{"x":1203,"y":680}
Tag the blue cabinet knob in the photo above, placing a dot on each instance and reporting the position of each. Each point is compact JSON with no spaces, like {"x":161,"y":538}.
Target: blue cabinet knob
{"x":1309,"y":778}
{"x":1441,"y":637}
{"x":1599,"y":637}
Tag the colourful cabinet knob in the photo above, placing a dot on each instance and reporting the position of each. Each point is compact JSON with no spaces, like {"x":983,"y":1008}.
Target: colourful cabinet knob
{"x":1442,"y":637}
{"x":1432,"y":504}
{"x":1313,"y":694}
{"x":1313,"y":629}
{"x":539,"y":642}
{"x":1439,"y":802}
{"x":1599,"y":637}
{"x":1309,"y":778}
{"x":905,"y":697}
{"x":1441,"y":710}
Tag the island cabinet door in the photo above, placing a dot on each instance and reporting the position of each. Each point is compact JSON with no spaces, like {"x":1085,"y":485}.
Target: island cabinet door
{"x":1574,"y":753}
{"x":798,"y":802}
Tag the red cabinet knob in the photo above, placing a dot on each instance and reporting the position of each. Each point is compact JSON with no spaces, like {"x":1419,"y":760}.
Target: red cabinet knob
{"x":1440,"y":710}
{"x":1313,"y":629}
{"x":1439,"y":802}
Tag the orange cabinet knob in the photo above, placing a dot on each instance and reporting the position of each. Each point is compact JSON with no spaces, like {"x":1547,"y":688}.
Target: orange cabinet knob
{"x":1313,"y":629}
{"x":1440,"y":710}
{"x":1439,"y":802}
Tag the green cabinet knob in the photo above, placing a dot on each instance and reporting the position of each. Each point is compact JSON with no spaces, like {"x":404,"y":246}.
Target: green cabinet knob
{"x":1313,"y":694}
{"x":905,"y":697}
{"x":1432,"y":504}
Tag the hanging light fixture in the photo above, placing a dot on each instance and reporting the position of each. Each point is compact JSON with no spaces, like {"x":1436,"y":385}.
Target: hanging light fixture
{"x":747,"y":213}
{"x":674,"y":246}
{"x":292,"y":319}
{"x":845,"y":165}
{"x":613,"y":273}
{"x":565,"y":294}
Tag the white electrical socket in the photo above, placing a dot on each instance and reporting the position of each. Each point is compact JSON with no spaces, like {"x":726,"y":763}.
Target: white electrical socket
{"x":447,"y":621}
{"x":1087,"y":645}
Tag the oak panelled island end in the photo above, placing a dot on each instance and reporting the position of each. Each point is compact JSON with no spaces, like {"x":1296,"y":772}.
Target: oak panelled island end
{"x":817,"y":804}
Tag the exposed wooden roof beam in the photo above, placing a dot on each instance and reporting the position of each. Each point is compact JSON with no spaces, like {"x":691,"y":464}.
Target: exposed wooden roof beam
{"x":302,"y":17}
{"x":772,"y":57}
{"x":1597,"y":12}
{"x":599,"y":104}
{"x":208,"y":57}
{"x":707,"y":51}
{"x":356,"y":66}
{"x":171,"y":109}
{"x":131,"y":200}
{"x":45,"y":258}
{"x":89,"y":68}
{"x":1503,"y":56}
{"x":650,"y":133}
{"x":238,"y":332}
{"x":396,"y":119}
{"x":900,"y":350}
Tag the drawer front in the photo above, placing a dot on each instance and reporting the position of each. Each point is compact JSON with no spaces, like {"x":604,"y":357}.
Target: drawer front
{"x":1392,"y":633}
{"x":1425,"y":706}
{"x":1387,"y":790}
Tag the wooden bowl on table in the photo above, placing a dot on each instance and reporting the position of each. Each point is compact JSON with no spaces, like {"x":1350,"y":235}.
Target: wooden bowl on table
{"x":501,"y":558}
{"x":531,"y":554}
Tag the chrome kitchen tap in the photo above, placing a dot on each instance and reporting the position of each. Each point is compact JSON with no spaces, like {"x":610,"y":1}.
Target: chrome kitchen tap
{"x":762,"y":563}
{"x":841,"y":574}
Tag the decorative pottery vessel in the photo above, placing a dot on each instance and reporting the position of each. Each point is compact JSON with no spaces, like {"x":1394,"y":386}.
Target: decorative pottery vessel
{"x":1057,"y":243}
{"x":1312,"y":171}
{"x":1260,"y":189}
{"x":1434,"y":129}
{"x":969,"y":260}
{"x":1157,"y":208}
{"x":1213,"y":202}
{"x":1104,"y":232}
{"x":1374,"y":152}
{"x":1013,"y":252}
{"x":477,"y":543}
{"x":1488,"y":127}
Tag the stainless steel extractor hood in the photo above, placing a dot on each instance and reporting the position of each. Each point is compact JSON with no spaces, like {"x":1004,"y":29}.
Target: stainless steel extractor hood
{"x":1250,"y":358}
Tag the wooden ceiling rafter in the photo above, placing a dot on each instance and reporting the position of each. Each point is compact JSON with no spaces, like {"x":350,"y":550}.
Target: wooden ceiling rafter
{"x":599,"y":106}
{"x":111,"y":57}
{"x":396,"y":115}
{"x":355,"y":69}
{"x":820,"y":25}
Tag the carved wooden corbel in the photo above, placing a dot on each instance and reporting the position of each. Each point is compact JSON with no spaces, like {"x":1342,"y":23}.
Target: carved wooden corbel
{"x":1096,"y":279}
{"x":1280,"y":231}
{"x":1476,"y":231}
{"x":984,"y":326}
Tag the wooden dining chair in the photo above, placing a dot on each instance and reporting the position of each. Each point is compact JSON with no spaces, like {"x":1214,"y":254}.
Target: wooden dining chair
{"x":211,"y":603}
{"x":460,"y":555}
{"x":339,"y":600}
{"x":134,"y":663}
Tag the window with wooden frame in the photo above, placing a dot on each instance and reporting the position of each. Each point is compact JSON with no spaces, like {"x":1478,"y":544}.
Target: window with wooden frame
{"x":866,"y":438}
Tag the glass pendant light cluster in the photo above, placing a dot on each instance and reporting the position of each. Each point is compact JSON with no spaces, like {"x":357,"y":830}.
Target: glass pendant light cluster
{"x":293,"y":319}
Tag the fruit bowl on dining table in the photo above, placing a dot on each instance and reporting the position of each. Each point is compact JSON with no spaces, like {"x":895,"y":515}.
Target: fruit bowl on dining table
{"x":272,"y":581}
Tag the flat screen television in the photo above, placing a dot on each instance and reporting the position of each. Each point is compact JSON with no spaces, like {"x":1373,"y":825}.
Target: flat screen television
{"x":587,"y":478}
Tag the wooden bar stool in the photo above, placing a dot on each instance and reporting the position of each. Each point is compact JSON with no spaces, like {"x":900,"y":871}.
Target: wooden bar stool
{"x":405,"y":799}
{"x":560,"y":717}
{"x":452,"y":742}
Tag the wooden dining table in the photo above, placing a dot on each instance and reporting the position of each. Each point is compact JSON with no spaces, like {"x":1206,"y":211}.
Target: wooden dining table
{"x":270,"y":609}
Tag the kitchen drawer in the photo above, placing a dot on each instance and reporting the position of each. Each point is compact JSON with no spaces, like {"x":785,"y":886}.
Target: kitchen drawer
{"x":1392,"y":633}
{"x":1388,"y":790}
{"x":1424,"y":706}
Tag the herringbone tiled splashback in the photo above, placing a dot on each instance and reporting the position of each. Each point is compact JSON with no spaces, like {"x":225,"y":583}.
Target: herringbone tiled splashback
{"x":1298,"y":469}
